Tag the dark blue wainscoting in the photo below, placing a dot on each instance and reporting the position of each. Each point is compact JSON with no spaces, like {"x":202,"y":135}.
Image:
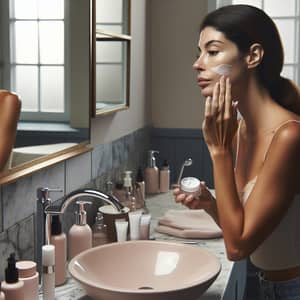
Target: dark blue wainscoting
{"x":177,"y":145}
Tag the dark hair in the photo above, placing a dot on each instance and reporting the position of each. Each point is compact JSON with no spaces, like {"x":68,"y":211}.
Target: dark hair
{"x":245,"y":25}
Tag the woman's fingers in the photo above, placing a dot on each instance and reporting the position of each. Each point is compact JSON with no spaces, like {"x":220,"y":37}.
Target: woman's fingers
{"x":223,"y":90}
{"x":180,"y":198}
{"x":228,"y":100}
{"x":207,"y":110}
{"x":215,"y":99}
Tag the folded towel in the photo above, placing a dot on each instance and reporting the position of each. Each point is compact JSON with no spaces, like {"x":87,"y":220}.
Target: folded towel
{"x":188,"y":224}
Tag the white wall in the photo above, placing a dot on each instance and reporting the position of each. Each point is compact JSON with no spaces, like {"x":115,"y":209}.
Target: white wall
{"x":175,"y":98}
{"x":109,"y":128}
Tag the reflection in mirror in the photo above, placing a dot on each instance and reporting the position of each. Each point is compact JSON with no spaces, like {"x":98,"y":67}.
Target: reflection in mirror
{"x":10,"y":107}
{"x":45,"y":58}
{"x":112,"y":55}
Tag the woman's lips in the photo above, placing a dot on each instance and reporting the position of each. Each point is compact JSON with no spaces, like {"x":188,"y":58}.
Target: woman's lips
{"x":203,"y":82}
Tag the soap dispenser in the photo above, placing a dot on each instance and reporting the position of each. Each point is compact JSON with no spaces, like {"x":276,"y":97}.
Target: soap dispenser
{"x":12,"y":287}
{"x":151,"y":174}
{"x":80,"y":234}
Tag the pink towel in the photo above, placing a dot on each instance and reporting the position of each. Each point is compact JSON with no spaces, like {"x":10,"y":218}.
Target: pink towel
{"x":189,"y":224}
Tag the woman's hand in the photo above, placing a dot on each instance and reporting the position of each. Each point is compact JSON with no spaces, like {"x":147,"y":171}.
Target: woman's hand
{"x":220,"y":120}
{"x":201,"y":200}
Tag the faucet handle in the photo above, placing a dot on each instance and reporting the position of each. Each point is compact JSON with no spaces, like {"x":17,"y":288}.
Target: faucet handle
{"x":43,"y":193}
{"x":82,"y":203}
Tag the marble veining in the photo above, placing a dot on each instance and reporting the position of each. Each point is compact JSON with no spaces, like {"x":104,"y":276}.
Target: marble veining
{"x":101,"y":159}
{"x":18,"y":239}
{"x":19,"y":198}
{"x":78,"y":172}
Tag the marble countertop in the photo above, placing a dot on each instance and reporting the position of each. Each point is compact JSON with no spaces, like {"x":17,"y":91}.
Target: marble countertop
{"x":158,"y":205}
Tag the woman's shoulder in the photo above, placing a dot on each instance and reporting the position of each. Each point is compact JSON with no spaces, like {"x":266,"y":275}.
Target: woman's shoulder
{"x":9,"y":98}
{"x":288,"y":131}
{"x":10,"y":106}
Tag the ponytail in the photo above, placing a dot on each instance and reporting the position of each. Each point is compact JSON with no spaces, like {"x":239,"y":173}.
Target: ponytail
{"x":286,"y":93}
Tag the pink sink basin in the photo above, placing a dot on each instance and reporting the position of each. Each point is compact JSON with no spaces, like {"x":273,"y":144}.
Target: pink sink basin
{"x":144,"y":270}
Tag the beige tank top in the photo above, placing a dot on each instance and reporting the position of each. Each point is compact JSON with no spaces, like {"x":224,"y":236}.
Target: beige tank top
{"x":281,"y":249}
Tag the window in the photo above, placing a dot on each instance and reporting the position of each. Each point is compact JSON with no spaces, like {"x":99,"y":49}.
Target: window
{"x":112,"y":53}
{"x":286,"y":15}
{"x":37,"y":58}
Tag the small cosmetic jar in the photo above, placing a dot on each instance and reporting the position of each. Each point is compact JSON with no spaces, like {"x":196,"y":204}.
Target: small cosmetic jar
{"x":190,"y":185}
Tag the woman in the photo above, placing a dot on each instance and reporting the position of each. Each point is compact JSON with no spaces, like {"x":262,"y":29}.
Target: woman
{"x":10,"y":107}
{"x":256,"y":160}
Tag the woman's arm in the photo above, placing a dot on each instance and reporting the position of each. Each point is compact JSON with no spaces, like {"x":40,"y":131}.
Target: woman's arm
{"x":10,"y":107}
{"x":246,"y":227}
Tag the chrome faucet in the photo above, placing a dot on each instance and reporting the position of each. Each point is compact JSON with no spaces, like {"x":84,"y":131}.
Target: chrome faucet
{"x":46,"y":208}
{"x":53,"y":209}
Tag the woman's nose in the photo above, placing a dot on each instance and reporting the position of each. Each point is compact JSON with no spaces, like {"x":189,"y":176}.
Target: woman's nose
{"x":197,"y":65}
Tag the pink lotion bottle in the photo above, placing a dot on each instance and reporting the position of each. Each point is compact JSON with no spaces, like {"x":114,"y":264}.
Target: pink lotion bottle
{"x":80,"y":234}
{"x":58,"y":239}
{"x":12,"y":287}
{"x":151,"y":174}
{"x":164,"y":177}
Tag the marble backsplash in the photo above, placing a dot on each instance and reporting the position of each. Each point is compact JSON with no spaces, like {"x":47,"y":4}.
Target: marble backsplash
{"x":106,"y":162}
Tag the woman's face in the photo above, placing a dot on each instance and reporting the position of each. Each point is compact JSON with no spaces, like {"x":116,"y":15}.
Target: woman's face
{"x":217,"y":56}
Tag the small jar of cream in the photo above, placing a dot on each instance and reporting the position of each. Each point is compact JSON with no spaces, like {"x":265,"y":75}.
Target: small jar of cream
{"x":30,"y":277}
{"x":190,"y":185}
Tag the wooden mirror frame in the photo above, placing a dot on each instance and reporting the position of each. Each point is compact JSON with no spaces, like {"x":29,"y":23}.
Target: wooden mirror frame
{"x":30,"y":167}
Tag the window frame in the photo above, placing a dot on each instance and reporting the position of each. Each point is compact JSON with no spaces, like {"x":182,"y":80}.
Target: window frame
{"x":9,"y":75}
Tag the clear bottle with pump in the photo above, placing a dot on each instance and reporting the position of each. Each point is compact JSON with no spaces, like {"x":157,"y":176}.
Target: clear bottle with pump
{"x":80,"y":234}
{"x":151,"y":174}
{"x":130,"y":198}
{"x":164,"y":177}
{"x":12,"y":287}
{"x":58,"y":239}
{"x":99,"y":231}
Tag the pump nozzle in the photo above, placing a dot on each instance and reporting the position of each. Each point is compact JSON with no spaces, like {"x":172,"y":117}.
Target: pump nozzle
{"x":81,"y":214}
{"x":151,"y":158}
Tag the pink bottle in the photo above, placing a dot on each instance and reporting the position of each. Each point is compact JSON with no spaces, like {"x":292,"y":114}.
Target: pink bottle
{"x":30,"y":277}
{"x":58,"y":239}
{"x":80,"y":234}
{"x":164,"y":178}
{"x":152,"y":174}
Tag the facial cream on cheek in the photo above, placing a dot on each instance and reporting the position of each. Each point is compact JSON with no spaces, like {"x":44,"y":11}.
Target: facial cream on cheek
{"x":223,"y":70}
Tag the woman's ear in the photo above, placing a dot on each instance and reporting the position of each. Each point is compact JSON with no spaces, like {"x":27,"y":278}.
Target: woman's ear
{"x":255,"y":56}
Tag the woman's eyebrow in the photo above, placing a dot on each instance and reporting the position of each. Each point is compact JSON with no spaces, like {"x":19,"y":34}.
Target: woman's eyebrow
{"x":211,"y":42}
{"x":207,"y":44}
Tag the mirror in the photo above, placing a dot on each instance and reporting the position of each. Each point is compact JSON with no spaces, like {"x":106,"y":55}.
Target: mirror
{"x":45,"y":58}
{"x":111,"y":56}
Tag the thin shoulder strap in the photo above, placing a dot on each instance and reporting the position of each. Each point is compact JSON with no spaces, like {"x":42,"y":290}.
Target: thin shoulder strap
{"x":275,"y":131}
{"x":237,"y":142}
